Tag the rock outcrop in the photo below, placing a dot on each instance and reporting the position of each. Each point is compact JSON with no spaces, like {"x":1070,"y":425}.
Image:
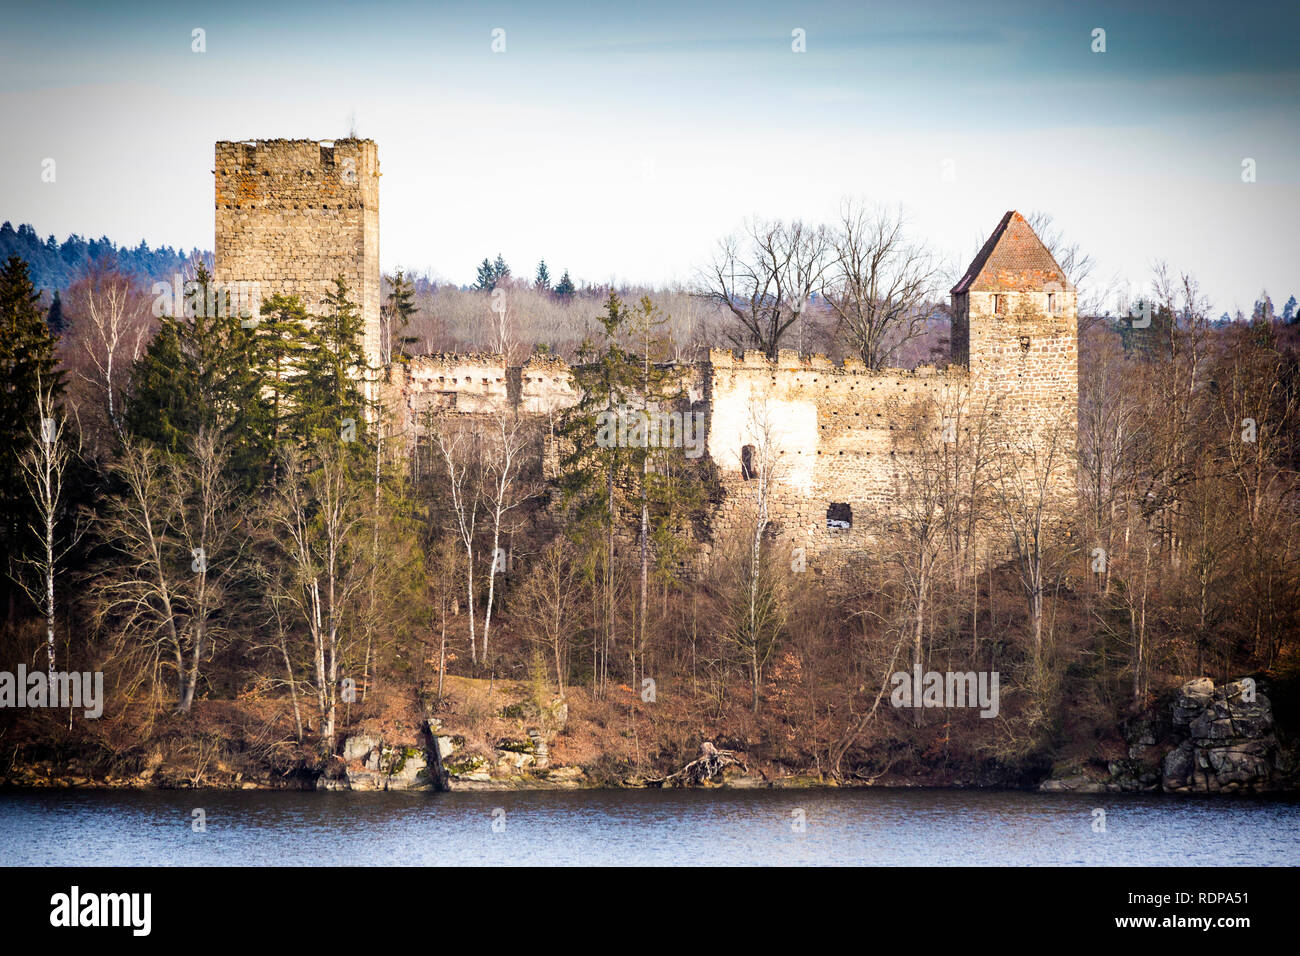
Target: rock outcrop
{"x":370,"y":764}
{"x":1207,"y":740}
{"x":1228,"y":741}
{"x":520,"y":760}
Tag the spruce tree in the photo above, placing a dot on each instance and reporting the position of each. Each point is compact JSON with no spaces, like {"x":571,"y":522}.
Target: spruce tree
{"x":398,"y":310}
{"x":27,"y":363}
{"x":280,"y":343}
{"x":54,"y":319}
{"x":500,"y":270}
{"x":329,"y":393}
{"x":564,"y":288}
{"x":487,"y":277}
{"x":197,"y":372}
{"x":543,"y":280}
{"x":596,"y":468}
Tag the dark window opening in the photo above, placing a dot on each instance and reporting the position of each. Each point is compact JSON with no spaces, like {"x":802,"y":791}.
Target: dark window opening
{"x":998,"y":303}
{"x":747,"y":462}
{"x":1051,"y":303}
{"x":839,"y":516}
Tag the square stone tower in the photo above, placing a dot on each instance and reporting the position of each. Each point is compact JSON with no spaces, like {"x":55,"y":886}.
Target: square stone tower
{"x":291,"y":215}
{"x":1015,"y":327}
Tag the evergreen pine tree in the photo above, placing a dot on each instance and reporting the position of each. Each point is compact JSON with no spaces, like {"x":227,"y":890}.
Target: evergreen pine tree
{"x":543,"y":280}
{"x":27,"y":362}
{"x":499,"y":269}
{"x":280,"y":341}
{"x":595,"y":467}
{"x":329,"y":395}
{"x":197,"y":372}
{"x":564,"y":288}
{"x":54,"y":318}
{"x":606,"y":381}
{"x":486,"y":276}
{"x":397,"y":314}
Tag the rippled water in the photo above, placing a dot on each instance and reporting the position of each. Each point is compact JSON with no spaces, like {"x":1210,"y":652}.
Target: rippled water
{"x":643,"y":827}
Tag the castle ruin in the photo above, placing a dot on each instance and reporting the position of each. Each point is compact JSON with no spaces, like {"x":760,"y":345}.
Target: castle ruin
{"x":293,"y":214}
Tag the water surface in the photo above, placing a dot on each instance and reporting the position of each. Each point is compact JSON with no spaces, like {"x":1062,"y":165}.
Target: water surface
{"x":643,"y":827}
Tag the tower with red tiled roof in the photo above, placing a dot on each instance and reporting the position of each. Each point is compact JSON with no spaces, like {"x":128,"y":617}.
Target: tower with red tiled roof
{"x":1015,"y":327}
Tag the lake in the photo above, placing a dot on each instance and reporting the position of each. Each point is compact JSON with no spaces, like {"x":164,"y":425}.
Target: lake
{"x":644,"y":827}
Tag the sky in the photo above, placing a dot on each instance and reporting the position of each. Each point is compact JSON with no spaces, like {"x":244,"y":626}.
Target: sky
{"x":621,"y":141}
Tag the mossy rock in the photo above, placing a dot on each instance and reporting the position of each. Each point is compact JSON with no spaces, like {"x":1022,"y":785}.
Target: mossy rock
{"x":803,"y":782}
{"x":393,"y":759}
{"x":463,"y":765}
{"x":525,"y":746}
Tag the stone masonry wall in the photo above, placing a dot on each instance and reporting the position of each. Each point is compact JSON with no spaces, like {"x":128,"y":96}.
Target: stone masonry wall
{"x":1024,"y":362}
{"x":839,"y":435}
{"x":474,"y":385}
{"x":291,"y":215}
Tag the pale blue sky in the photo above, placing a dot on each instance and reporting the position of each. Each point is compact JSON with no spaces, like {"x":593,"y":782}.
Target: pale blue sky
{"x":621,"y":143}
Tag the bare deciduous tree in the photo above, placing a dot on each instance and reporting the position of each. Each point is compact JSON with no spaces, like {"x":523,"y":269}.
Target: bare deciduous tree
{"x":1034,"y":477}
{"x":179,"y":537}
{"x":502,"y":463}
{"x":915,"y":521}
{"x":755,"y":602}
{"x":879,"y":284}
{"x":318,"y":521}
{"x":765,"y":277}
{"x":44,"y":466}
{"x":459,"y":447}
{"x":112,"y":323}
{"x":550,"y":605}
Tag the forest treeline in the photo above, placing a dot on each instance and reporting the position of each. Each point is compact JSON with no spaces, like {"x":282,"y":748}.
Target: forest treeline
{"x":54,"y":265}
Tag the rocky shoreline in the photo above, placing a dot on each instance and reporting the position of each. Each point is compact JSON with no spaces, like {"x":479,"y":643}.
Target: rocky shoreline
{"x":1208,"y":740}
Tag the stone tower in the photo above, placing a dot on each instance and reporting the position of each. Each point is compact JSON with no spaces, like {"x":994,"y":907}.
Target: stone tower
{"x":1015,"y":327}
{"x":291,"y":215}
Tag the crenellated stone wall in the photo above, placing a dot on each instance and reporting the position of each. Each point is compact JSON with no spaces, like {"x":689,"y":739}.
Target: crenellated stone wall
{"x":481,"y":384}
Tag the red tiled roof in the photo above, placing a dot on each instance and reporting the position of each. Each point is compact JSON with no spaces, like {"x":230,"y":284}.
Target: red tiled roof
{"x":1013,"y":259}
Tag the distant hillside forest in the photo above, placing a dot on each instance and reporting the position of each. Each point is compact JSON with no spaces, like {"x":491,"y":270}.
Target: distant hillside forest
{"x":54,"y":265}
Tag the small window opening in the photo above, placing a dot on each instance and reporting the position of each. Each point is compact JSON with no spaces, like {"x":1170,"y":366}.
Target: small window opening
{"x":999,"y":303}
{"x":747,"y":470}
{"x":1051,"y":303}
{"x":839,"y":515}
